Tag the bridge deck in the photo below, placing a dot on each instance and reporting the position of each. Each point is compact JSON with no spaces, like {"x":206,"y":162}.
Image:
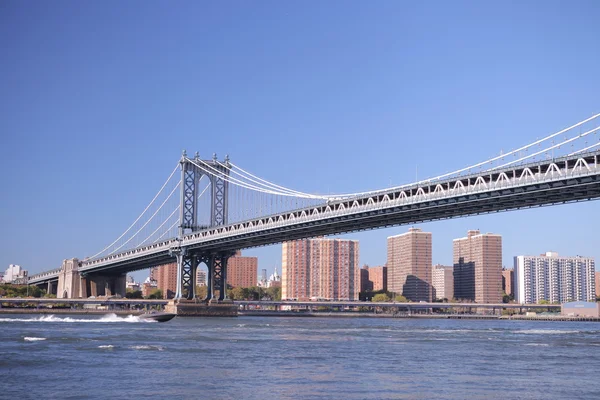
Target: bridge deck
{"x":562,"y":180}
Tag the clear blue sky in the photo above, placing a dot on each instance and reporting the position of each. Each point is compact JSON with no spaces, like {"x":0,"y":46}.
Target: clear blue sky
{"x":97,"y":100}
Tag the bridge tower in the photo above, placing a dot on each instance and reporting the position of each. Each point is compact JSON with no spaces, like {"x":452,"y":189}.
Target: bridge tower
{"x":188,"y":261}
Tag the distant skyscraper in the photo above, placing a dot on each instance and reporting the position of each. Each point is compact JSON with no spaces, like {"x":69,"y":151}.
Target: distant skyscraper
{"x":274,"y":280}
{"x":262,"y":280}
{"x":478,"y":267}
{"x":242,"y":271}
{"x":508,"y":277}
{"x":442,"y":279}
{"x":555,"y":279}
{"x":320,"y":268}
{"x":409,"y":265}
{"x":597,"y":283}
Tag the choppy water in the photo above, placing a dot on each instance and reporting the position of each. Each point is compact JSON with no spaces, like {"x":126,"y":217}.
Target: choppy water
{"x":296,"y":358}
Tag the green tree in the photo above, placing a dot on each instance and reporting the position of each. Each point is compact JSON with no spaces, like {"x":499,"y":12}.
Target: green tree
{"x":155,"y":294}
{"x":134,"y":294}
{"x":254,"y":293}
{"x":201,"y":292}
{"x":380,"y":298}
{"x":401,"y":299}
{"x":10,"y":290}
{"x":274,"y":293}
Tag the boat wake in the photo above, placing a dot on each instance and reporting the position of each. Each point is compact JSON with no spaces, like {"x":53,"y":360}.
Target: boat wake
{"x":108,"y":318}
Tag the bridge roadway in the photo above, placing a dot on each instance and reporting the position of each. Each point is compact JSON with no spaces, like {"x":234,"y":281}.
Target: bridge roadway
{"x":562,"y":180}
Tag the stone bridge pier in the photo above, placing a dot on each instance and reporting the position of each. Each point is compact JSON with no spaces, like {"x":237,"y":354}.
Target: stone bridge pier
{"x":105,"y":285}
{"x":52,"y":287}
{"x":73,"y":285}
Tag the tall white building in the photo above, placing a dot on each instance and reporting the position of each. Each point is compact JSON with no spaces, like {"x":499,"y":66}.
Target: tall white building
{"x":274,"y":279}
{"x":553,"y":278}
{"x":442,"y":279}
{"x":14,"y":273}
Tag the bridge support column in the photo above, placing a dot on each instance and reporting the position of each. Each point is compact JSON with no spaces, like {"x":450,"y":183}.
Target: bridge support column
{"x":83,"y":292}
{"x":217,"y":275}
{"x":120,"y":285}
{"x":209,"y":279}
{"x":187,"y":264}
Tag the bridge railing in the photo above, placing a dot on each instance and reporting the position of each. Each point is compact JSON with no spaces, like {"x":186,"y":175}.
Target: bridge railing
{"x":482,"y":183}
{"x":133,"y":253}
{"x":475,"y":183}
{"x":44,"y":275}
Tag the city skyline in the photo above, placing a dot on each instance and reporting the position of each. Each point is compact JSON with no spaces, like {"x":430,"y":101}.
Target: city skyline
{"x":500,"y":283}
{"x":275,"y":262}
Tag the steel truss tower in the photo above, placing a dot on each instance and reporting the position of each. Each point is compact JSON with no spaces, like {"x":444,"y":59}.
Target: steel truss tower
{"x":188,"y":261}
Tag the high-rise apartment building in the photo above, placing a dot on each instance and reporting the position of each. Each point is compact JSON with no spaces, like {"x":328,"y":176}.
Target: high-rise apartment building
{"x":478,"y":267}
{"x":242,"y":271}
{"x":442,"y":280}
{"x":378,"y":278}
{"x":166,"y":279}
{"x":409,"y":265}
{"x":365,"y":283}
{"x":555,"y":279}
{"x":597,"y":283}
{"x":508,"y":278}
{"x":320,"y":268}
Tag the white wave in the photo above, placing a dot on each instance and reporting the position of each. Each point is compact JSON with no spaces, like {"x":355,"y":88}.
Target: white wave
{"x":536,"y":344}
{"x":544,"y":332}
{"x":449,"y":330}
{"x":105,"y":319}
{"x":106,"y":346}
{"x":147,"y":347}
{"x":33,"y":339}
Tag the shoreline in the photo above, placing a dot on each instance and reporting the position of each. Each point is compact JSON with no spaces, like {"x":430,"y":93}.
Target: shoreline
{"x":558,"y":318}
{"x":415,"y":316}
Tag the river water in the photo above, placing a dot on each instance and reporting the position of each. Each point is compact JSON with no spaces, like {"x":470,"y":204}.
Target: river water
{"x":79,"y":357}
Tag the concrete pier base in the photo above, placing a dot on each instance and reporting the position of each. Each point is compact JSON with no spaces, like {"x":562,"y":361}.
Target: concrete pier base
{"x":191,"y":308}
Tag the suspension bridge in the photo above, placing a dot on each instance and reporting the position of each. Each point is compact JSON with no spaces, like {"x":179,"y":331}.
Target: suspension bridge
{"x":212,"y":208}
